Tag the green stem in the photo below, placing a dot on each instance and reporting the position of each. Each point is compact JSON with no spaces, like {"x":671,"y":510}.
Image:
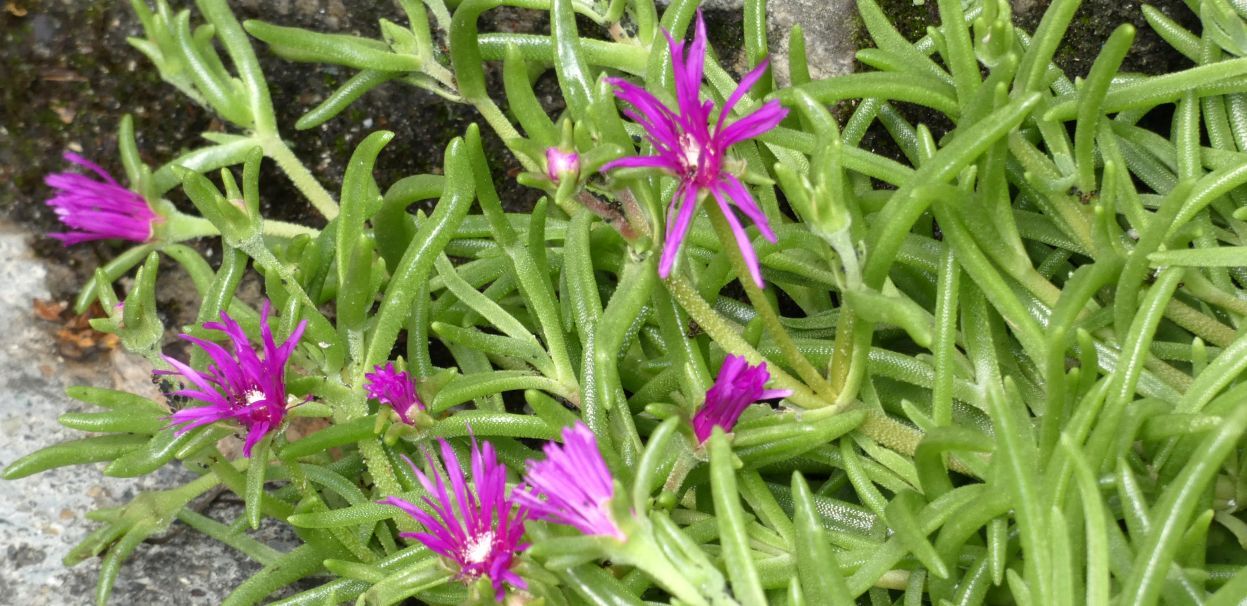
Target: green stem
{"x":642,"y":552}
{"x":503,"y":127}
{"x":282,"y":229}
{"x":770,"y":318}
{"x":684,"y":463}
{"x":302,"y":178}
{"x":188,"y":492}
{"x":439,"y":73}
{"x":384,"y":477}
{"x":241,"y":542}
{"x":842,"y":358}
{"x":188,"y":227}
{"x":180,"y":227}
{"x":879,"y":427}
{"x":726,"y":336}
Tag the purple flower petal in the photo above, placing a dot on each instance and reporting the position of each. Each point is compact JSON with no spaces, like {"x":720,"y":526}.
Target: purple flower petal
{"x":688,"y":69}
{"x":742,"y":199}
{"x":639,"y":162}
{"x":686,"y":197}
{"x":737,"y":386}
{"x":237,"y":385}
{"x":89,"y":165}
{"x":484,"y":536}
{"x":742,"y":89}
{"x":742,"y":239}
{"x":572,"y":486}
{"x":559,"y":163}
{"x":659,"y":121}
{"x":687,"y":148}
{"x":394,"y":389}
{"x":96,"y":210}
{"x":760,"y":121}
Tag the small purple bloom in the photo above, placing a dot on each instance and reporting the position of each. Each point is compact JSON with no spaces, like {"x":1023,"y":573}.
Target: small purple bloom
{"x":560,"y":163}
{"x":95,"y":209}
{"x":394,"y":388}
{"x":737,"y":386}
{"x":483,"y":534}
{"x":238,"y":385}
{"x":575,"y":483}
{"x":688,"y":148}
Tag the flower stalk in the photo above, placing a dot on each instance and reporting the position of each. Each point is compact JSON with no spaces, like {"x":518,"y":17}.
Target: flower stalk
{"x":299,"y":175}
{"x":810,"y":375}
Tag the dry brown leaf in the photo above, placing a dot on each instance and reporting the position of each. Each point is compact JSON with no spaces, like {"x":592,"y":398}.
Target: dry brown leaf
{"x":49,"y":310}
{"x":75,"y":337}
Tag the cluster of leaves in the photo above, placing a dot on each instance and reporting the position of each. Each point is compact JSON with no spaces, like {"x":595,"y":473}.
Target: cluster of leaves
{"x":1014,"y":351}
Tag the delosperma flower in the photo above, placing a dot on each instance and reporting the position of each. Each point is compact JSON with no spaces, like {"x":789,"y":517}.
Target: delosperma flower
{"x":689,"y":148}
{"x":572,"y":486}
{"x":737,"y":386}
{"x":395,"y":389}
{"x":561,"y":163}
{"x":479,"y":529}
{"x":97,"y":209}
{"x":238,"y":385}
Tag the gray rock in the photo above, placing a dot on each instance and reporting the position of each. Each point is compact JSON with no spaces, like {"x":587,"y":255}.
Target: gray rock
{"x":830,"y":28}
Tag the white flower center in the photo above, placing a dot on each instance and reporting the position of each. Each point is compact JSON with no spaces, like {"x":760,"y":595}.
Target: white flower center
{"x":253,"y":396}
{"x":690,"y":152}
{"x":562,"y":163}
{"x":478,"y":547}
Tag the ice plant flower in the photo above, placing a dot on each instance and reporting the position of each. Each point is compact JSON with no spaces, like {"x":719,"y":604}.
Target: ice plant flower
{"x":238,"y":385}
{"x":561,"y":163}
{"x":97,"y":209}
{"x":572,"y":486}
{"x":396,"y":389}
{"x":687,"y":147}
{"x":737,"y":386}
{"x":480,"y":528}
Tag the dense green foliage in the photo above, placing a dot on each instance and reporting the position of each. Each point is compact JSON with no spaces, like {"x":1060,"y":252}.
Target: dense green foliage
{"x":1014,"y":348}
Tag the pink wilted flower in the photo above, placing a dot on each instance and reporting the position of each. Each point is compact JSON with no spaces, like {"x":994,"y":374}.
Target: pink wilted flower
{"x":572,"y":486}
{"x":238,"y":385}
{"x":389,"y":386}
{"x":480,"y":528}
{"x":561,"y":163}
{"x":97,"y":209}
{"x":687,"y":147}
{"x":737,"y":386}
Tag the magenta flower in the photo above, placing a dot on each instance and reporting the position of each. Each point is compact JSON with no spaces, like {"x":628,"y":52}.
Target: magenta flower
{"x":394,"y":388}
{"x":737,"y":386}
{"x":238,"y":385}
{"x":690,"y":150}
{"x":483,"y":535}
{"x":572,"y":486}
{"x":560,"y":163}
{"x":97,"y":210}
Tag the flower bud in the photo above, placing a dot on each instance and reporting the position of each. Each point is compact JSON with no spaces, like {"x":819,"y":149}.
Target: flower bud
{"x":561,"y":164}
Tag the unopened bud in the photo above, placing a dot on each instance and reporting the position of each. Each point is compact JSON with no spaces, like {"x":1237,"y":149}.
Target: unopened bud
{"x":560,"y":164}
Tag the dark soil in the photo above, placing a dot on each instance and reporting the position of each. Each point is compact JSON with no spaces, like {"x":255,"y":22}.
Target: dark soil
{"x":68,"y":76}
{"x":1096,"y":20}
{"x":1091,"y":26}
